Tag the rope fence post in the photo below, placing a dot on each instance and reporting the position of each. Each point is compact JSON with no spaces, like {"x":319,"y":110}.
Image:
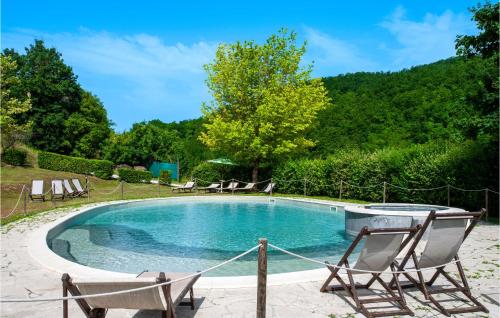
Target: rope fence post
{"x":232,"y":186}
{"x":25,"y":200}
{"x":262,"y":278}
{"x":449,"y":199}
{"x":271,"y":191}
{"x":384,"y":194}
{"x":486,"y":203}
{"x":159,"y":187}
{"x":87,"y":184}
{"x":340,"y":194}
{"x":121,"y":186}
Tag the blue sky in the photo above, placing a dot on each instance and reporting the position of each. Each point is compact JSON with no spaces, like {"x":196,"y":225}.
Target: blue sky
{"x":145,"y":59}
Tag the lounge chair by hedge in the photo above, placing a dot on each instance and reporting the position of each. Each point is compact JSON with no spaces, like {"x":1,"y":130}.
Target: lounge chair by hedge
{"x":69,"y":190}
{"x":379,"y":251}
{"x":247,"y":188}
{"x":78,"y":186}
{"x":446,"y":233}
{"x":211,"y":188}
{"x":187,"y":187}
{"x":268,"y":188}
{"x":37,"y":192}
{"x":231,"y":186}
{"x":164,"y":298}
{"x":57,"y":190}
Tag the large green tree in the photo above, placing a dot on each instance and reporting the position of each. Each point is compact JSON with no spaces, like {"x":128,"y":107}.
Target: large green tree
{"x":12,"y":106}
{"x":55,"y":95}
{"x":89,"y":128}
{"x":263,"y":101}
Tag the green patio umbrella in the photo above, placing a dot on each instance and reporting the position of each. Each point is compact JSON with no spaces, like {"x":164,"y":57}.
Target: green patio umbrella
{"x":222,"y":161}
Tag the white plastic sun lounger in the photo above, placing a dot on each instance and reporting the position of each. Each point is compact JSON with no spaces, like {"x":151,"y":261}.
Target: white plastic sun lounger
{"x":211,"y":188}
{"x":247,"y":188}
{"x":164,"y":298}
{"x":446,"y":233}
{"x":379,"y":251}
{"x":57,"y":190}
{"x":188,"y":186}
{"x":37,"y":192}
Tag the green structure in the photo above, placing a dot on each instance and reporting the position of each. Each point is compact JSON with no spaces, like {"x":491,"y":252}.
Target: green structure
{"x":157,"y":166}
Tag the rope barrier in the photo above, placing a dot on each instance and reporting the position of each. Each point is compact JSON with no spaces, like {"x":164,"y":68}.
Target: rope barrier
{"x":17,"y":203}
{"x":363,"y":187}
{"x":416,"y":189}
{"x":468,"y":190}
{"x":492,"y":191}
{"x":126,"y":291}
{"x":361,"y":270}
{"x":110,"y":192}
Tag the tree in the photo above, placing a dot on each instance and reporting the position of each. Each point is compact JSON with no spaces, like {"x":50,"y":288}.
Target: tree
{"x":263,"y":101}
{"x":55,"y":95}
{"x":89,"y":128}
{"x":12,"y":106}
{"x":484,"y":44}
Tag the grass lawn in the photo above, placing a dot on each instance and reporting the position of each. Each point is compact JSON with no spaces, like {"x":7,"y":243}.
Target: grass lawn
{"x":13,"y":178}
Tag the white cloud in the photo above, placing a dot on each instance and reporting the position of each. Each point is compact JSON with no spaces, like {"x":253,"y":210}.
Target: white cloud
{"x":139,"y":77}
{"x":333,"y":56}
{"x":424,"y":41}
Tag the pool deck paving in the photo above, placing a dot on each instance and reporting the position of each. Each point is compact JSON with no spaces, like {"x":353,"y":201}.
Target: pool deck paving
{"x":24,"y":277}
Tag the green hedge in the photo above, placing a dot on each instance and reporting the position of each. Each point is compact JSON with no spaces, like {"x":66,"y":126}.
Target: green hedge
{"x":135,"y":176}
{"x":15,"y":157}
{"x":100,"y":168}
{"x":469,"y":165}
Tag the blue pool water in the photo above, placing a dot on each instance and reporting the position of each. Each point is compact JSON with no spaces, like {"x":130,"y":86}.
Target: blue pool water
{"x":168,"y":235}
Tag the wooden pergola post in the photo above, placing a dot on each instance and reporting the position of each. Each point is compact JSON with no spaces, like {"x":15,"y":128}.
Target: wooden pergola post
{"x":262,"y":278}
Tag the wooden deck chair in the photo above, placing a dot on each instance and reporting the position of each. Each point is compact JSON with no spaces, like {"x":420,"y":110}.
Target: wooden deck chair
{"x":231,"y":186}
{"x":446,"y":233}
{"x":57,"y":190}
{"x":249,"y":187}
{"x":78,"y":186}
{"x":37,"y":192}
{"x":188,"y":186}
{"x":269,"y":188}
{"x":69,"y":190}
{"x":164,"y":298}
{"x":380,"y":249}
{"x":211,"y":188}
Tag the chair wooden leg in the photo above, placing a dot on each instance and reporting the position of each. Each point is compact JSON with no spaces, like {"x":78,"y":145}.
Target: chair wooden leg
{"x":191,"y":297}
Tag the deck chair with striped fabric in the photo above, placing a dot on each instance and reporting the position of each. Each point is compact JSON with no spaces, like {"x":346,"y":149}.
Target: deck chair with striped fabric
{"x":37,"y":192}
{"x":164,"y":298}
{"x":378,"y":253}
{"x":69,"y":190}
{"x":269,"y":188}
{"x":78,"y":186}
{"x":211,"y":188}
{"x":446,"y":232}
{"x":231,"y":186}
{"x":249,"y":187}
{"x":57,"y":190}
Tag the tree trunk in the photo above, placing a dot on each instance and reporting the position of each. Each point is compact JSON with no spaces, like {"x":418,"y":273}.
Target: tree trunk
{"x":255,"y":171}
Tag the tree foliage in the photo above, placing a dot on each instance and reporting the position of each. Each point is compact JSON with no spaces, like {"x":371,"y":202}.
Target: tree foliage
{"x":263,"y":101}
{"x":12,"y":106}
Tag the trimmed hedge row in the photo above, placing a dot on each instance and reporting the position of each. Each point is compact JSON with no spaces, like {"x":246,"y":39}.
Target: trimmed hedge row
{"x":468,"y":165}
{"x":100,"y":168}
{"x":15,"y":157}
{"x":135,"y":176}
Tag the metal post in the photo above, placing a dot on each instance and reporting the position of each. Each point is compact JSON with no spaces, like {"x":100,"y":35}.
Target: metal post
{"x":340,"y":195}
{"x":305,"y":187}
{"x":232,"y":188}
{"x":88,"y":188}
{"x":158,"y":186}
{"x":486,"y":202}
{"x":262,"y":279}
{"x":449,"y":201}
{"x":178,"y":170}
{"x":385,"y":186}
{"x":221,"y":183}
{"x":121,"y":185}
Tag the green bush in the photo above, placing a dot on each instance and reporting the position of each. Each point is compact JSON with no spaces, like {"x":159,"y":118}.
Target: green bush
{"x":15,"y":157}
{"x":135,"y":176}
{"x":165,"y":177}
{"x":100,"y":168}
{"x":206,"y":172}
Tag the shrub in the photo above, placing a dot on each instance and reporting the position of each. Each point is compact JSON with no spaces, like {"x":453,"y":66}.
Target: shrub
{"x":15,"y":157}
{"x":100,"y":168}
{"x":206,"y":172}
{"x":165,"y":177}
{"x":135,"y":176}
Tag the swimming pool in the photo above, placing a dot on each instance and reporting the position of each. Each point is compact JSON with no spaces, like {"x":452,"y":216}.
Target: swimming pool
{"x":190,"y":235}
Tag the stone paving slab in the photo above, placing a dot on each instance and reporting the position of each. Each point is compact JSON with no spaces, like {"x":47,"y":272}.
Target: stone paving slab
{"x":21,"y":276}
